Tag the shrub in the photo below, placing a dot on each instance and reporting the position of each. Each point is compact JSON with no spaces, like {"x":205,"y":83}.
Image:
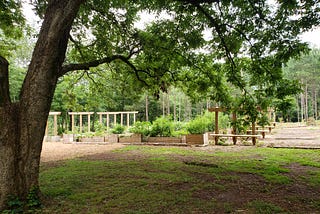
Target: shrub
{"x":142,"y":128}
{"x":179,"y":128}
{"x":162,"y":127}
{"x":118,"y":129}
{"x":201,"y":124}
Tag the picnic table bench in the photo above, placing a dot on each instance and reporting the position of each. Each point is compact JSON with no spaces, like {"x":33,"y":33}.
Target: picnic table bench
{"x":268,"y":127}
{"x":235,"y":136}
{"x":262,"y":132}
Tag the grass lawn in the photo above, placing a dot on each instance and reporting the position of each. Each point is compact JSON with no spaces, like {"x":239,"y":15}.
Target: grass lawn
{"x":146,"y":179}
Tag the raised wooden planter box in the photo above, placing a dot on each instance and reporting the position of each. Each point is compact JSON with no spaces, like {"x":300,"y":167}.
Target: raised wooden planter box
{"x":52,"y":138}
{"x":113,"y":138}
{"x":194,"y":139}
{"x":67,"y":138}
{"x":135,"y":138}
{"x":92,"y":139}
{"x":163,"y":140}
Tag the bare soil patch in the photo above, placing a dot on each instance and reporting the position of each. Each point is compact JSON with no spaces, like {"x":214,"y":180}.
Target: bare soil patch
{"x":55,"y":151}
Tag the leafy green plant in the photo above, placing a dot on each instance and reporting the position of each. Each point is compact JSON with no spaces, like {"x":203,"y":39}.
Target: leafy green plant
{"x":100,"y":129}
{"x":180,"y":129}
{"x":201,"y":124}
{"x":162,"y":127}
{"x":15,"y":205}
{"x":118,"y":129}
{"x":142,"y":128}
{"x":33,"y":199}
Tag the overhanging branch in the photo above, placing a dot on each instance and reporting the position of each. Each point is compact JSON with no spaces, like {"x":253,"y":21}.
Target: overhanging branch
{"x":86,"y":66}
{"x":4,"y":82}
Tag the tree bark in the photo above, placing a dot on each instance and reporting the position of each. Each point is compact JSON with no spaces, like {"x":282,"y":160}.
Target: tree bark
{"x":4,"y":82}
{"x":23,"y":124}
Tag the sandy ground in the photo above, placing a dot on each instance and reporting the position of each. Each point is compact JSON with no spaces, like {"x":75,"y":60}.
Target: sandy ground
{"x":281,"y":136}
{"x":294,"y":136}
{"x":53,"y":151}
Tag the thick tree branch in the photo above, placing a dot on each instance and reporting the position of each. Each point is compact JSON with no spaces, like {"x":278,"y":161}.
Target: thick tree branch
{"x":87,"y":65}
{"x":4,"y":82}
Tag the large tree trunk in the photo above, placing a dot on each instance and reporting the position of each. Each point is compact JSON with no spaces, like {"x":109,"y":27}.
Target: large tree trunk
{"x":23,"y":124}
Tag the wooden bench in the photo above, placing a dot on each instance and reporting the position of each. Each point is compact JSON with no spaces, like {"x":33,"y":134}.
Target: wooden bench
{"x":262,"y":132}
{"x":235,"y":136}
{"x":268,"y":127}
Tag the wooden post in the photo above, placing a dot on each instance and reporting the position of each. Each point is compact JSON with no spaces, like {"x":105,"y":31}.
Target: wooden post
{"x":121,"y":119}
{"x":80,"y":123}
{"x":55,"y":129}
{"x":234,"y":128}
{"x":114,"y":119}
{"x":128,"y":119}
{"x":100,"y":118}
{"x":89,"y":122}
{"x":134,"y":118}
{"x":108,"y":121}
{"x":216,"y":128}
{"x":254,"y":140}
{"x":72,"y":123}
{"x":46,"y":133}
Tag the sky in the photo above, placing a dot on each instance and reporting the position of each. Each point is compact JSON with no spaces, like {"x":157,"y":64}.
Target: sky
{"x":312,"y":37}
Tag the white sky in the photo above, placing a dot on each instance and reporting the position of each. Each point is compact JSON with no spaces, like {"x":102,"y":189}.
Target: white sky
{"x":312,"y":37}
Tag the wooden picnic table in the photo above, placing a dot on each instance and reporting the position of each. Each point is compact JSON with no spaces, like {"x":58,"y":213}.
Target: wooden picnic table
{"x":235,"y":136}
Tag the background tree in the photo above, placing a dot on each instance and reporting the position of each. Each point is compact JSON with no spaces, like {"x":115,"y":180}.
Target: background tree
{"x":305,"y":70}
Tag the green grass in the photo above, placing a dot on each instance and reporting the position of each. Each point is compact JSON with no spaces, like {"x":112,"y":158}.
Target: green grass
{"x":172,"y":180}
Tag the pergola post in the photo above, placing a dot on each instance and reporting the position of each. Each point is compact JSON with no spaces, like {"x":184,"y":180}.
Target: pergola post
{"x":121,"y":119}
{"x":100,"y":118}
{"x":89,"y":122}
{"x":72,"y":122}
{"x":108,"y":120}
{"x":55,"y":124}
{"x":80,"y":123}
{"x":46,"y":133}
{"x":128,"y":119}
{"x":114,"y":119}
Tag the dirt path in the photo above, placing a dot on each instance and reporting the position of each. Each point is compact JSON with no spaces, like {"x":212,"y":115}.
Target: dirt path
{"x":294,"y":136}
{"x":54,"y":151}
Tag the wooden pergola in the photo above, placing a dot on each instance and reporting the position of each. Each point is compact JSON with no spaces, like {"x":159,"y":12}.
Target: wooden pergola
{"x":114,"y":115}
{"x":81,"y":115}
{"x":55,"y":123}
